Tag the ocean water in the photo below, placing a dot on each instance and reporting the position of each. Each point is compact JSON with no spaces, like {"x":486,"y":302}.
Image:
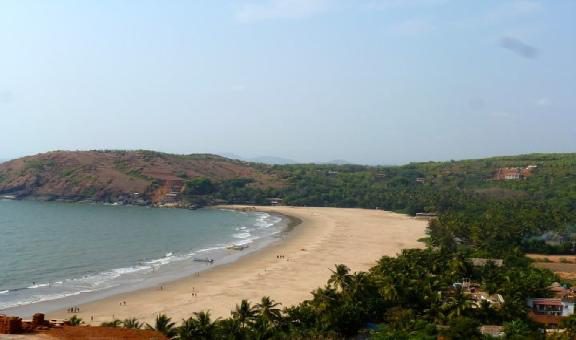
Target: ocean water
{"x":50,"y":252}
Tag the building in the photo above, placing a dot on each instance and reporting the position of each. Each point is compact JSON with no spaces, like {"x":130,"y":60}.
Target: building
{"x":426,"y":216}
{"x":274,"y":201}
{"x":551,"y":311}
{"x":481,"y":262}
{"x":514,"y":173}
{"x":551,"y":306}
{"x":493,"y":331}
{"x":477,"y":296}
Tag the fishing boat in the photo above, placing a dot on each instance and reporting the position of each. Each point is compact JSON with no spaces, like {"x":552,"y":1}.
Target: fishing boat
{"x":237,"y":247}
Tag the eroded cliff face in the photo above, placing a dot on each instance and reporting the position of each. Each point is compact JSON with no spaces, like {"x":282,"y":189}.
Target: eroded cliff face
{"x":142,"y":176}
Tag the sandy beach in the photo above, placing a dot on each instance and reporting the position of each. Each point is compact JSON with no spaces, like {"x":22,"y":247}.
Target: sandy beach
{"x":325,"y":237}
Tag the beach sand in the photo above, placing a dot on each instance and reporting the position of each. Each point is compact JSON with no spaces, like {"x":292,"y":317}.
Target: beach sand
{"x":325,"y":237}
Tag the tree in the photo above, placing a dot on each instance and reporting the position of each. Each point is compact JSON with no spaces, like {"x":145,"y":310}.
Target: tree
{"x":114,"y":323}
{"x":200,"y":326}
{"x":457,"y":304}
{"x":75,"y":321}
{"x":132,"y":323}
{"x":517,"y":330}
{"x":340,"y":277}
{"x":464,"y":328}
{"x":164,"y":325}
{"x":199,"y":186}
{"x":570,"y":325}
{"x":267,"y":309}
{"x":244,"y":313}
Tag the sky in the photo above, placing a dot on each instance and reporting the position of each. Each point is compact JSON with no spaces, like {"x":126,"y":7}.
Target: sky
{"x":367,"y":81}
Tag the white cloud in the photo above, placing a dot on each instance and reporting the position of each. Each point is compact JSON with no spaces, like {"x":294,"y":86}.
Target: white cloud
{"x":273,"y":9}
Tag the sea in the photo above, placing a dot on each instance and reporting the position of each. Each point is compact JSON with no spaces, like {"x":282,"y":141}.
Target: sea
{"x":54,"y":255}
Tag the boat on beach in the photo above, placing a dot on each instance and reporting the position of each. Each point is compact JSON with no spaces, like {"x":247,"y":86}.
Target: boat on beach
{"x":205,"y":260}
{"x":237,"y":246}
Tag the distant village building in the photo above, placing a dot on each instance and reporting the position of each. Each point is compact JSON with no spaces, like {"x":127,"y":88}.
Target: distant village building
{"x":426,"y":216}
{"x":550,"y":311}
{"x":477,"y":296}
{"x":274,"y":201}
{"x":514,"y":173}
{"x":481,"y":262}
{"x":493,"y":331}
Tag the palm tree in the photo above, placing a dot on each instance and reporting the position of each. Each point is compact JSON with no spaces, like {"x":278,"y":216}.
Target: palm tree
{"x":244,"y":313}
{"x":132,"y":323}
{"x":457,"y":304}
{"x":75,"y":321}
{"x":268,"y":311}
{"x":340,"y":278}
{"x":231,"y":329}
{"x":198,"y":327}
{"x":569,"y":324}
{"x":389,"y":291}
{"x":517,"y":329}
{"x":163,"y":325}
{"x":114,"y":323}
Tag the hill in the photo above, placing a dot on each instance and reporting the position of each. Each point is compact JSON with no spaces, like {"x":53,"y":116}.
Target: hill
{"x":146,"y":177}
{"x":142,"y":177}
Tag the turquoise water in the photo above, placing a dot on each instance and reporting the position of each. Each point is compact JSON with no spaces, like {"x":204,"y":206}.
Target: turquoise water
{"x":50,"y":251}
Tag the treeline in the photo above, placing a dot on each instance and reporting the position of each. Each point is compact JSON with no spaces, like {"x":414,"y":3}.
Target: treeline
{"x":474,"y":208}
{"x":412,"y":296}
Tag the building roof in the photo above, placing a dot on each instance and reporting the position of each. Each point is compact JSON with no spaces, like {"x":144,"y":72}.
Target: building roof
{"x":547,"y":301}
{"x":477,"y":261}
{"x":492,"y":330}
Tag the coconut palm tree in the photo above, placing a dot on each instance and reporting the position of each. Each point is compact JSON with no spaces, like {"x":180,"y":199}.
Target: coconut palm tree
{"x":114,"y":323}
{"x":200,"y":326}
{"x":457,"y":304}
{"x":389,"y":291}
{"x":231,"y":329}
{"x":267,"y":310}
{"x":340,"y":277}
{"x":164,"y":325}
{"x":75,"y":321}
{"x":244,"y":313}
{"x":132,"y":323}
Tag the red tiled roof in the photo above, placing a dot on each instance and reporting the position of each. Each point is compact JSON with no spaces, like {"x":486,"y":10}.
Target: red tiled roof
{"x":548,"y":302}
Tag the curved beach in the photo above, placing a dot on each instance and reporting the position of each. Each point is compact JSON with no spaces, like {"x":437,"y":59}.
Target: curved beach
{"x":325,"y":237}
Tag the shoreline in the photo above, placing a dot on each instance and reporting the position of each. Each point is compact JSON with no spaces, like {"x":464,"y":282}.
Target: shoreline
{"x":174,"y":271}
{"x":324,"y":237}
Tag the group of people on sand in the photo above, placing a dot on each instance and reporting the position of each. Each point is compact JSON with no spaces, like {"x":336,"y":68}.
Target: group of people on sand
{"x":73,"y":309}
{"x":123,"y":303}
{"x":280,"y":256}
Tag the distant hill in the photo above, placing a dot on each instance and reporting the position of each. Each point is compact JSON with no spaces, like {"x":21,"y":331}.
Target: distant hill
{"x":338,"y":162}
{"x":147,"y":177}
{"x":144,"y":176}
{"x":273,"y":160}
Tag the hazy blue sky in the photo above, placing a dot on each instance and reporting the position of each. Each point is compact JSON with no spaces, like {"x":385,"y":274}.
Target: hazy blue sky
{"x":370,"y":81}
